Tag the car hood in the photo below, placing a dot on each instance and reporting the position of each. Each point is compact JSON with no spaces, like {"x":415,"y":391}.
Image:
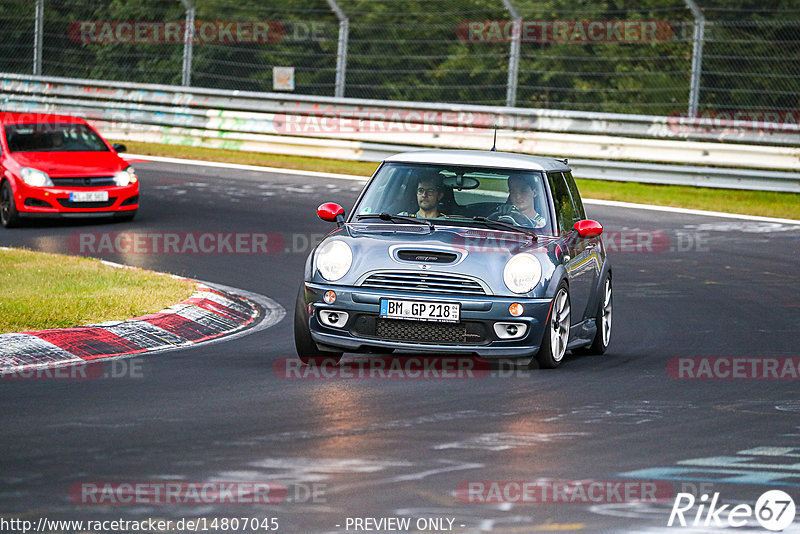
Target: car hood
{"x":58,"y":164}
{"x":481,"y":253}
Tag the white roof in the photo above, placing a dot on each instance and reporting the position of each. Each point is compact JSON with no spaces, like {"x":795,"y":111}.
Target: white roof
{"x":481,"y":158}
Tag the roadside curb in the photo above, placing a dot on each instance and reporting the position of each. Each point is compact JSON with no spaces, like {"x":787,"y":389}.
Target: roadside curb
{"x":210,"y":313}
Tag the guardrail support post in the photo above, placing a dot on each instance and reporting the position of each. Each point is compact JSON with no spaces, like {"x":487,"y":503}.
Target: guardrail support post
{"x":697,"y":56}
{"x":38,"y":38}
{"x":513,"y":56}
{"x":341,"y":50}
{"x":188,"y":44}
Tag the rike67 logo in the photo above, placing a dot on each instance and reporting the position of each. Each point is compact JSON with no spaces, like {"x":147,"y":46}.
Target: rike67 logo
{"x":774,"y":510}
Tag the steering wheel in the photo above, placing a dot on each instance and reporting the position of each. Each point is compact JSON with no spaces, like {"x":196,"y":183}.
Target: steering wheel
{"x":510,"y":214}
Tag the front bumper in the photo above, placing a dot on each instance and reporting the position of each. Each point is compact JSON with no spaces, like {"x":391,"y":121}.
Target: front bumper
{"x":479,"y":314}
{"x":55,"y":201}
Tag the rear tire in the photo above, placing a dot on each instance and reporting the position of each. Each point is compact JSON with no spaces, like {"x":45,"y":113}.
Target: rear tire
{"x":306,"y":349}
{"x":9,"y":216}
{"x":556,"y":332}
{"x":603,"y":321}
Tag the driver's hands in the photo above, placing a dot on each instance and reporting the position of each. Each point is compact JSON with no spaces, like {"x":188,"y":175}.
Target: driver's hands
{"x":507,"y":209}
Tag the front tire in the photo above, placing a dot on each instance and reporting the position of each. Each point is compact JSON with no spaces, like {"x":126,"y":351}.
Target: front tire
{"x":556,"y":333}
{"x":306,"y":349}
{"x":9,"y":216}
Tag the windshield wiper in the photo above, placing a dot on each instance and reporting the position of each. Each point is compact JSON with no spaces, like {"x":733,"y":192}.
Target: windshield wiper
{"x":507,"y":226}
{"x":395,"y":219}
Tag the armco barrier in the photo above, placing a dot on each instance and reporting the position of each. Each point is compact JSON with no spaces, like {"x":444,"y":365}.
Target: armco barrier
{"x":609,"y":146}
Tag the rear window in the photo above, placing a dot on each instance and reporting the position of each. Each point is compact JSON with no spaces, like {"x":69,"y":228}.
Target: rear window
{"x":53,"y":137}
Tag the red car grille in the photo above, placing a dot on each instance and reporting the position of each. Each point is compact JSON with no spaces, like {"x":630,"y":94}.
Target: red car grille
{"x":105,"y":204}
{"x":87,"y":181}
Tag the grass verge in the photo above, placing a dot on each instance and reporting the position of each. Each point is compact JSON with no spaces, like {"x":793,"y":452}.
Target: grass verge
{"x":763,"y":203}
{"x":52,"y":291}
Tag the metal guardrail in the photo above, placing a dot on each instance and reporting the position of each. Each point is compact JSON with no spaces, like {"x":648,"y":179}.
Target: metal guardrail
{"x":607,"y":146}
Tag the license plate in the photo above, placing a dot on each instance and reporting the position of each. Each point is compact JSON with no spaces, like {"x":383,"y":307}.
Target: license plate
{"x":443,"y":312}
{"x":89,"y":196}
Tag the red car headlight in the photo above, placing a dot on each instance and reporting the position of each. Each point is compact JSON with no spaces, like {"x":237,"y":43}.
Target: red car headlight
{"x":35,"y":177}
{"x":125,"y":177}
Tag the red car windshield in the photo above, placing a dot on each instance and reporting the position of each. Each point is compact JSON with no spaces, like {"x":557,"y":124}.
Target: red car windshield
{"x":53,"y":137}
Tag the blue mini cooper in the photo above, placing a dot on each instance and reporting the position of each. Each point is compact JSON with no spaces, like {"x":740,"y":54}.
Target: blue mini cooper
{"x":459,"y":251}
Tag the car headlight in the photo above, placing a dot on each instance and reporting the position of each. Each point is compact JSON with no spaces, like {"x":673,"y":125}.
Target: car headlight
{"x":522,"y":273}
{"x":334,"y":259}
{"x":35,"y":177}
{"x":125,"y":177}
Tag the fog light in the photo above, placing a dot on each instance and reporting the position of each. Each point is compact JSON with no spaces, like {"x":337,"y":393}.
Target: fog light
{"x":335,"y":319}
{"x":510,"y":330}
{"x":515,"y":309}
{"x":329,"y":297}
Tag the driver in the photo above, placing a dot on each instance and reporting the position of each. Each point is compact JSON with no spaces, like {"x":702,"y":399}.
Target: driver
{"x":521,"y":194}
{"x":429,"y":193}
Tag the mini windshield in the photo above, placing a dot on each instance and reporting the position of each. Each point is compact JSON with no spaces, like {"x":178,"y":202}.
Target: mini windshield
{"x":53,"y":137}
{"x":458,"y":194}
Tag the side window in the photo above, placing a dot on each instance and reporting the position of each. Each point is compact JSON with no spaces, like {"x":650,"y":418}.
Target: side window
{"x":576,"y":196}
{"x":565,"y":211}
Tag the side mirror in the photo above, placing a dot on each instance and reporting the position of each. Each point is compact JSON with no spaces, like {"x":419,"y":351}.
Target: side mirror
{"x":331,"y":212}
{"x":119,"y":147}
{"x":588,"y":228}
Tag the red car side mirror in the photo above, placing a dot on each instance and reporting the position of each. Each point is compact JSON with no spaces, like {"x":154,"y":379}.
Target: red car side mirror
{"x":331,"y":212}
{"x":588,"y":228}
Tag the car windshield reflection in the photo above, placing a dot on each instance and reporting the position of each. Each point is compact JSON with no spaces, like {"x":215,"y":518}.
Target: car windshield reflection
{"x":458,"y":195}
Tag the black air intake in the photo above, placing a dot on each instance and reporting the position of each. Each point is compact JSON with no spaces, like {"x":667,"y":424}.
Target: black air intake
{"x":426,"y":256}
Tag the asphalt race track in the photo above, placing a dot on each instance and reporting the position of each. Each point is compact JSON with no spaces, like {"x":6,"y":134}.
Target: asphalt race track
{"x":684,"y":286}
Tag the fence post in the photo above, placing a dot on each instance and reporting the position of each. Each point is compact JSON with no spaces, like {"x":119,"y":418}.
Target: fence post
{"x":341,"y":50}
{"x":38,"y":37}
{"x":188,"y":44}
{"x":697,"y":56}
{"x":513,"y":59}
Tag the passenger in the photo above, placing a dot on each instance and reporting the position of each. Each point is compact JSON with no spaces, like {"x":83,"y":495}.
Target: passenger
{"x":522,"y":193}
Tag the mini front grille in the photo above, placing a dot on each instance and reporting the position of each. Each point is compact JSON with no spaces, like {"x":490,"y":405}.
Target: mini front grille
{"x":68,"y":204}
{"x":421,"y":332}
{"x":425,"y":282}
{"x":463,"y":333}
{"x":84,"y":181}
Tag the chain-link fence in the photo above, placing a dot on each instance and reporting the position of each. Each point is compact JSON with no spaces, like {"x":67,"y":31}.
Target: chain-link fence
{"x":627,"y":56}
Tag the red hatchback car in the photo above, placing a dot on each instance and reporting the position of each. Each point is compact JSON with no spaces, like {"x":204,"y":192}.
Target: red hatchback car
{"x":59,"y":166}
